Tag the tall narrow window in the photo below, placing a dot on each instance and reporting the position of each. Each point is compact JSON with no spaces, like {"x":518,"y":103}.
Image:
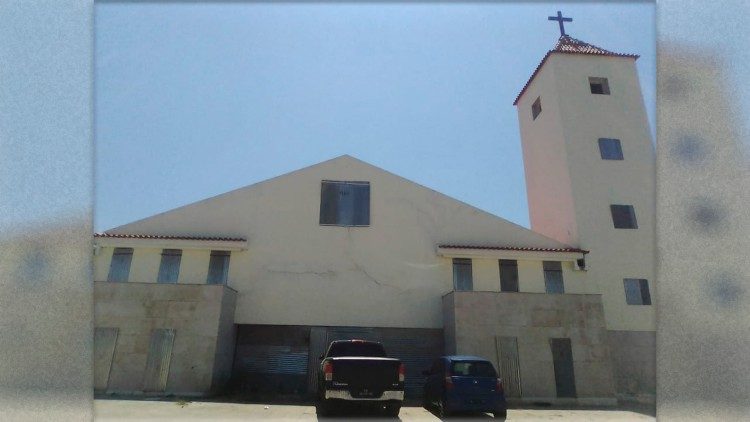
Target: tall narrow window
{"x":623,"y":217}
{"x":553,"y":277}
{"x":599,"y":85}
{"x":462,"y":274}
{"x":636,"y":291}
{"x":218,"y":267}
{"x":345,"y":203}
{"x":536,"y":108}
{"x":169,"y":269}
{"x":610,"y":149}
{"x":119,"y":268}
{"x":508,"y":275}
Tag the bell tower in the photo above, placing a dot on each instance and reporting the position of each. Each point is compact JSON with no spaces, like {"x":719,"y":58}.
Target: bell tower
{"x":590,"y":178}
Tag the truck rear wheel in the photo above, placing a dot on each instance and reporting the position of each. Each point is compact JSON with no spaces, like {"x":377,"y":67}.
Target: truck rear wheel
{"x":324,"y":408}
{"x":392,"y":410}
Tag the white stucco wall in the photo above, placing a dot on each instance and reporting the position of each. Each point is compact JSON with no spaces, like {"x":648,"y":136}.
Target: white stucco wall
{"x":298,"y":272}
{"x":577,"y":175}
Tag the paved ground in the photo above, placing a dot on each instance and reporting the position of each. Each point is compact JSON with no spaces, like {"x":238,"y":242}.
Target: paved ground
{"x":149,"y":410}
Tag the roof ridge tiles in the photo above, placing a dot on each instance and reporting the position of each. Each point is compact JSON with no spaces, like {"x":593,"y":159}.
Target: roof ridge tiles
{"x":569,"y":45}
{"x":168,"y":237}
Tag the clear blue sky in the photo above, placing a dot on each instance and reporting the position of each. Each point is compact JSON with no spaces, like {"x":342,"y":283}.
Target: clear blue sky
{"x":193,"y":100}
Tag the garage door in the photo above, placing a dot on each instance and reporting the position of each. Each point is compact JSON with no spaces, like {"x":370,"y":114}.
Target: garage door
{"x":285,"y":359}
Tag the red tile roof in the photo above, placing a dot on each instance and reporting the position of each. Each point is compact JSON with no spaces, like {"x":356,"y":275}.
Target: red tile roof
{"x":569,"y":45}
{"x":164,"y":237}
{"x":515,"y":248}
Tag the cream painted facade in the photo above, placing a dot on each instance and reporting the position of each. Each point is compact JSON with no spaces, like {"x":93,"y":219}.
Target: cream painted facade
{"x":293,"y":265}
{"x":570,"y":187}
{"x":296,"y":283}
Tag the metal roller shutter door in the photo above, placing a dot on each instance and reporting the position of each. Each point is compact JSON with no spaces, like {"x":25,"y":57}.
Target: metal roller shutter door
{"x":271,"y":359}
{"x":416,"y":348}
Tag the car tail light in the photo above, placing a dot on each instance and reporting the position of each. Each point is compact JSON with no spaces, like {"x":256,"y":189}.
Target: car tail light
{"x":499,"y":385}
{"x":401,"y":373}
{"x":328,"y":371}
{"x":448,"y":382}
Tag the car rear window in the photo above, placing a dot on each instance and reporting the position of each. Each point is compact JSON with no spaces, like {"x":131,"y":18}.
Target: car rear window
{"x":356,"y":349}
{"x":473,"y":369}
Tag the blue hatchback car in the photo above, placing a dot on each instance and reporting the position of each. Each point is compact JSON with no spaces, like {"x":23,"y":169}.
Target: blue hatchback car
{"x":464,"y":384}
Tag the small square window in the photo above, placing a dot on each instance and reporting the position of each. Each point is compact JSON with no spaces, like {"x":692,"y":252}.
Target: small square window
{"x":636,"y":291}
{"x":345,"y":203}
{"x":462,"y":280}
{"x":218,"y":267}
{"x":169,"y":268}
{"x":553,"y":277}
{"x":623,"y":216}
{"x":508,"y":275}
{"x":610,"y":149}
{"x":599,"y":86}
{"x":536,"y":108}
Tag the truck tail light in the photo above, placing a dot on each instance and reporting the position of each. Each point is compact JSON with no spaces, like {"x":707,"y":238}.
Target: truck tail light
{"x":401,"y":373}
{"x":328,"y":371}
{"x":499,"y":385}
{"x":448,"y":382}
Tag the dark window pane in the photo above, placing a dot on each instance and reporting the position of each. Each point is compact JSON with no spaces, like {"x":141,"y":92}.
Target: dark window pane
{"x":645,"y":295}
{"x":553,"y":277}
{"x":462,"y":274}
{"x":599,"y":85}
{"x":536,"y":108}
{"x":623,"y":217}
{"x":169,"y":269}
{"x":345,"y":212}
{"x":610,"y":149}
{"x":329,"y":199}
{"x":361,"y":204}
{"x":508,"y":275}
{"x":119,"y":268}
{"x":351,"y":348}
{"x":473,"y":369}
{"x":345,"y":203}
{"x":218,"y":267}
{"x":633,"y":291}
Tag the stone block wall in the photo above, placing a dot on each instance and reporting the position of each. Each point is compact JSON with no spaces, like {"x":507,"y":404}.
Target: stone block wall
{"x":478,"y":318}
{"x":202,"y":317}
{"x":634,"y":364}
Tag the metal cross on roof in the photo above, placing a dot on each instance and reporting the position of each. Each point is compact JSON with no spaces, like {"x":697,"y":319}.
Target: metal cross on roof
{"x":560,"y":19}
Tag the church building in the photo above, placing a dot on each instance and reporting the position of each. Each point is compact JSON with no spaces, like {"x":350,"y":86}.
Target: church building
{"x":242,"y":292}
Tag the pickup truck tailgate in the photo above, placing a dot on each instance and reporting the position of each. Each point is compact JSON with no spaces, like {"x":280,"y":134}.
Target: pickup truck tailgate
{"x":366,"y":377}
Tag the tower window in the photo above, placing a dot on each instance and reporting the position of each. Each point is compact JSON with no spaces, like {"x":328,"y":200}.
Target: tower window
{"x":599,"y":85}
{"x":462,"y":280}
{"x":610,"y":149}
{"x":536,"y":108}
{"x":345,"y":203}
{"x":636,"y":291}
{"x":623,"y":216}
